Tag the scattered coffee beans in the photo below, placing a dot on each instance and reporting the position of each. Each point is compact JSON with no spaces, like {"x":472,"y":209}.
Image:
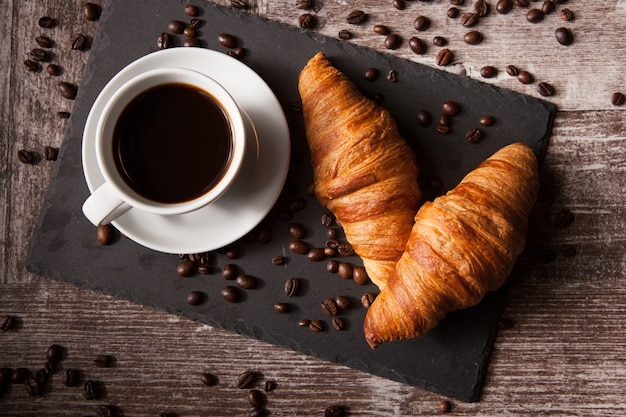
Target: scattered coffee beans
{"x":371,"y":74}
{"x":486,"y":120}
{"x":481,"y":8}
{"x":548,"y":7}
{"x":360,"y":275}
{"x":444,"y":57}
{"x":381,"y":30}
{"x":70,"y":377}
{"x":186,"y":268}
{"x":342,"y":302}
{"x":345,"y":270}
{"x":102,"y":361}
{"x":534,"y":15}
{"x":256,"y":398}
{"x":91,"y":11}
{"x":332,"y":266}
{"x":335,"y":411}
{"x":163,"y":40}
{"x":450,"y":108}
{"x":356,"y":17}
{"x":195,"y":298}
{"x":307,"y":21}
{"x":105,"y":234}
{"x":78,"y":42}
{"x":545,"y":89}
{"x":55,"y":353}
{"x":522,"y":3}
{"x":316,"y":326}
{"x":176,"y":26}
{"x":278,"y":260}
{"x":90,"y":390}
{"x":566,"y":14}
{"x":329,"y":307}
{"x":247,"y":379}
{"x":512,"y":70}
{"x":7,"y":323}
{"x":453,"y":12}
{"x":67,"y":90}
{"x":208,"y":379}
{"x":190,"y":32}
{"x":473,"y":135}
{"x":239,"y":4}
{"x":229,"y":272}
{"x":424,"y":118}
{"x":421,"y":23}
{"x":281,"y":307}
{"x":39,"y":55}
{"x":504,"y":6}
{"x":227,"y":40}
{"x":417,"y":45}
{"x":304,"y":4}
{"x":469,"y":19}
{"x":46,"y":22}
{"x":344,"y":34}
{"x":393,"y":41}
{"x":399,"y":4}
{"x":488,"y":71}
{"x":44,"y":41}
{"x":525,"y":77}
{"x":26,"y":157}
{"x":299,"y":247}
{"x":292,"y":285}
{"x":231,"y":294}
{"x":473,"y":37}
{"x":191,"y":10}
{"x":31,"y":65}
{"x":564,"y":36}
{"x":444,"y":407}
{"x":53,"y":70}
{"x":247,"y":282}
{"x":618,"y":99}
{"x":33,"y":387}
{"x":367,"y":299}
{"x":439,"y":41}
{"x":338,"y":323}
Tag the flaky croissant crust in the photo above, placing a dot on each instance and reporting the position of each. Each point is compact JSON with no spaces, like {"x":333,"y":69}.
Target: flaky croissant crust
{"x":462,"y":245}
{"x":364,"y":172}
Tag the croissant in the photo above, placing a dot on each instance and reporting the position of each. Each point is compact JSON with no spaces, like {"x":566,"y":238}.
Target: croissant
{"x":363,"y":171}
{"x":461,"y":246}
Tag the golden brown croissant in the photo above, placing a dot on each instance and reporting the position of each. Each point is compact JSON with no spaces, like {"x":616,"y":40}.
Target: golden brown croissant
{"x":364,"y":172}
{"x":462,"y":245}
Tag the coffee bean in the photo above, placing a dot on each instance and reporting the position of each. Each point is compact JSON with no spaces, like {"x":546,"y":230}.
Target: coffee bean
{"x":345,"y":249}
{"x":307,"y":21}
{"x":335,"y":411}
{"x":444,"y":120}
{"x":525,"y":77}
{"x":564,"y":36}
{"x":545,"y":89}
{"x":488,"y":71}
{"x":195,"y":298}
{"x":63,"y":114}
{"x":421,"y":23}
{"x":453,"y":12}
{"x":304,"y":4}
{"x":381,"y":30}
{"x":444,"y":57}
{"x":298,"y":247}
{"x":44,"y":41}
{"x":246,"y":379}
{"x":233,"y":252}
{"x":176,"y":26}
{"x":297,"y":230}
{"x":270,"y":385}
{"x":190,"y":32}
{"x":473,"y":135}
{"x":393,"y":41}
{"x":522,"y":3}
{"x":618,"y":99}
{"x":329,"y":307}
{"x":450,"y":108}
{"x":481,"y":8}
{"x":566,"y":15}
{"x":328,"y":219}
{"x":78,"y":42}
{"x":46,"y":22}
{"x":105,"y":234}
{"x":31,"y":65}
{"x":39,"y":55}
{"x":564,"y":218}
{"x":191,"y":10}
{"x":102,"y":361}
{"x":281,"y":307}
{"x":360,"y":275}
{"x":231,"y":294}
{"x":91,"y":11}
{"x":344,"y":34}
{"x":342,"y":302}
{"x":33,"y":387}
{"x":227,"y":40}
{"x":439,"y":41}
{"x":424,"y":118}
{"x":332,"y":266}
{"x":304,"y":323}
{"x":208,"y":379}
{"x":195,"y":23}
{"x":105,"y":410}
{"x":70,"y":377}
{"x":512,"y":70}
{"x":417,"y":45}
{"x":444,"y":407}
{"x":90,"y":390}
{"x":392,"y":76}
{"x":316,"y":326}
{"x":54,"y":354}
{"x":443,"y":129}
{"x":548,"y":7}
{"x":42,"y":375}
{"x":229,"y":272}
{"x":186,"y":268}
{"x":316,"y":254}
{"x":278,"y":260}
{"x":486,"y":120}
{"x":338,"y":323}
{"x":356,"y":17}
{"x":473,"y":37}
{"x":239,"y":4}
{"x":534,"y":15}
{"x":26,"y":157}
{"x":256,"y":398}
{"x":53,"y":70}
{"x":367,"y":299}
{"x":163,"y":40}
{"x":292,"y":285}
{"x":247,"y":282}
{"x":469,"y":19}
{"x":297,"y":204}
{"x":371,"y":74}
{"x":67,"y":90}
{"x":399,"y":4}
{"x":345,"y":270}
{"x":504,"y":6}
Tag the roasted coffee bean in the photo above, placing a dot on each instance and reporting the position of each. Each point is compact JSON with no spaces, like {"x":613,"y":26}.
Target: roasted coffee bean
{"x":450,"y":108}
{"x":424,"y":118}
{"x":176,"y":26}
{"x":44,"y":41}
{"x":548,"y":7}
{"x":70,"y":377}
{"x":163,"y":40}
{"x":329,"y":307}
{"x":20,"y":375}
{"x":105,"y":410}
{"x":512,"y":70}
{"x":481,"y":8}
{"x":67,"y":90}
{"x":53,"y":70}
{"x":239,"y":4}
{"x":281,"y":307}
{"x":345,"y":270}
{"x":208,"y":379}
{"x":264,"y":234}
{"x":227,"y":40}
{"x":488,"y":71}
{"x":453,"y":12}
{"x":360,"y":275}
{"x":247,"y":282}
{"x":564,"y":218}
{"x":247,"y":379}
{"x":54,"y":354}
{"x":332,"y":243}
{"x":338,"y":323}
{"x":33,"y":387}
{"x":417,"y":45}
{"x":522,"y":3}
{"x":304,"y":323}
{"x":270,"y":385}
{"x":332,"y":266}
{"x":564,"y":36}
{"x":371,"y":74}
{"x":439,"y":41}
{"x":190,"y":32}
{"x":344,"y":34}
{"x":304,"y":4}
{"x":102,"y":361}
{"x":421,"y":23}
{"x":469,"y":19}
{"x":381,"y":30}
{"x":307,"y":21}
{"x":229,"y":272}
{"x":367,"y":299}
{"x":256,"y":398}
{"x":445,"y":120}
{"x":330,"y":252}
{"x":534,"y":15}
{"x":298,"y":247}
{"x":618,"y":99}
{"x":39,"y":55}
{"x":26,"y":157}
{"x":195,"y":298}
{"x":473,"y":37}
{"x":566,"y":15}
{"x":42,"y":375}
{"x":31,"y":65}
{"x":345,"y":249}
{"x":90,"y":390}
{"x":444,"y":57}
{"x":545,"y":89}
{"x":46,"y":22}
{"x":91,"y":11}
{"x":186,"y":268}
{"x":342,"y":302}
{"x":233,"y":252}
{"x":78,"y":42}
{"x":231,"y":294}
{"x":328,"y":219}
{"x":316,"y":326}
{"x":335,"y":411}
{"x":195,"y":23}
{"x":473,"y":135}
{"x":504,"y":6}
{"x":258,"y":412}
{"x":191,"y":10}
{"x":292,"y":285}
{"x":525,"y":77}
{"x":297,"y":204}
{"x":316,"y":254}
{"x":399,"y":4}
{"x":444,"y":407}
{"x":393,"y":41}
{"x":356,"y":17}
{"x":63,"y":114}
{"x":297,"y":230}
{"x":443,"y":129}
{"x":392,"y":76}
{"x":105,"y":234}
{"x":486,"y":120}
{"x":278,"y":260}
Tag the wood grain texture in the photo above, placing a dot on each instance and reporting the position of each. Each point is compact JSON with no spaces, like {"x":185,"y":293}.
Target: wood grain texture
{"x":563,"y":356}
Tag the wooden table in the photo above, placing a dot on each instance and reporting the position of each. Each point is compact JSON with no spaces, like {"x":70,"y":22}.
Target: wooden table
{"x":566,"y":351}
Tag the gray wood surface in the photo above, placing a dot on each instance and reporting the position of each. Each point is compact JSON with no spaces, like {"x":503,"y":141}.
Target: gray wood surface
{"x":564,"y":355}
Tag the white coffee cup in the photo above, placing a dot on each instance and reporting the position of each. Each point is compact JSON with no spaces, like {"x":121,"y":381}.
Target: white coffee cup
{"x":116,"y":195}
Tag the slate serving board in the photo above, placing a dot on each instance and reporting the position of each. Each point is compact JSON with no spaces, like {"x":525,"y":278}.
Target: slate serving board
{"x":451,"y":359}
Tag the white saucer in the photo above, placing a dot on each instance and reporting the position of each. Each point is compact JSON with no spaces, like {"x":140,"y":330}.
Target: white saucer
{"x":257,"y":187}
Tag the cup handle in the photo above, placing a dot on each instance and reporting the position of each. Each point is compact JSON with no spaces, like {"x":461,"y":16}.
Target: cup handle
{"x":104,"y":205}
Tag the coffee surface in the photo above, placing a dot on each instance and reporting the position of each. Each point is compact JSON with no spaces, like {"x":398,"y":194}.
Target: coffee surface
{"x":172,"y":143}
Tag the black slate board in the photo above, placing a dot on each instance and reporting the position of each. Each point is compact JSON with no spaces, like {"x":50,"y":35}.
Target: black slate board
{"x":450,"y":360}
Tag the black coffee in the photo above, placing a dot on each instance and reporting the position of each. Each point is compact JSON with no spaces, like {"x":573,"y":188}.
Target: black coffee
{"x":172,"y":143}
